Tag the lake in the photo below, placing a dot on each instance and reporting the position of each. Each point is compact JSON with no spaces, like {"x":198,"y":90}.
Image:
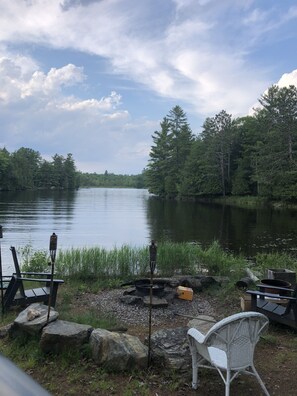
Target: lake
{"x":110,"y":217}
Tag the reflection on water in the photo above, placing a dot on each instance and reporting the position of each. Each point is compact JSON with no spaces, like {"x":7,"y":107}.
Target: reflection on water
{"x":113,"y":217}
{"x":87,"y":217}
{"x":239,"y":230}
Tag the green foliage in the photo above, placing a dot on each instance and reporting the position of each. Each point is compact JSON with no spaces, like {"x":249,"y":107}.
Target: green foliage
{"x":172,"y":146}
{"x":25,"y":169}
{"x":33,"y":261}
{"x":111,"y":180}
{"x":265,"y":261}
{"x":219,"y":262}
{"x":99,"y":263}
{"x":254,"y":155}
{"x":177,"y":258}
{"x":24,"y":350}
{"x":90,"y":317}
{"x":107,"y":268}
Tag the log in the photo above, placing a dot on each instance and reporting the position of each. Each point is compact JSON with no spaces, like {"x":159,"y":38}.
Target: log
{"x":251,"y":275}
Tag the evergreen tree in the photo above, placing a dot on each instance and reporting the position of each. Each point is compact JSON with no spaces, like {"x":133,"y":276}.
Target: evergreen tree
{"x":218,"y":137}
{"x":196,"y":179}
{"x":5,"y":170}
{"x":46,"y":174}
{"x":245,"y":179}
{"x":59,"y":175}
{"x":181,"y":142}
{"x":25,"y":166}
{"x":160,"y":160}
{"x":71,"y":181}
{"x":276,"y":165}
{"x":171,"y":147}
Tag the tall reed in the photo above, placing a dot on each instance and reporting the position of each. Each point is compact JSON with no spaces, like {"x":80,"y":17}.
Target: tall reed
{"x":127,"y":261}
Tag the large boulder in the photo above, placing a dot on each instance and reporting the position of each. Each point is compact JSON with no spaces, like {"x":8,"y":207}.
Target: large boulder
{"x":62,"y":335}
{"x":117,"y":352}
{"x":33,"y":319}
{"x":170,"y":349}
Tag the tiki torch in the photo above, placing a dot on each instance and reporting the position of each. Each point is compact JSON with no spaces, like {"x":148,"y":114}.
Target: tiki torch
{"x":153,"y":262}
{"x":52,"y":250}
{"x":1,"y":275}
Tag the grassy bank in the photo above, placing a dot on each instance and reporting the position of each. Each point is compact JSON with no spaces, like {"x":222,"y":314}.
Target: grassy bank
{"x":254,"y":202}
{"x":172,"y":259}
{"x":129,"y":262}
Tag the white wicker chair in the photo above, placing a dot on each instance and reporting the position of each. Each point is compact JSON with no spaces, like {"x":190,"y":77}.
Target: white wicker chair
{"x":228,"y":347}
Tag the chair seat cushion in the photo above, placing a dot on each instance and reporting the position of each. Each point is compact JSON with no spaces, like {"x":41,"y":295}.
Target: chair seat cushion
{"x":218,"y":357}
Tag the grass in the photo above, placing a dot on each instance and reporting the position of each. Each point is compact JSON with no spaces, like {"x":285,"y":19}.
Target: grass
{"x":74,"y":372}
{"x":126,"y":262}
{"x":96,"y":268}
{"x":243,"y":201}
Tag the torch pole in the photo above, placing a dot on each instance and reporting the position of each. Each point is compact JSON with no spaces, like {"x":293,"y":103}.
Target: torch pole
{"x":153,"y":260}
{"x":52,"y":250}
{"x":1,"y":274}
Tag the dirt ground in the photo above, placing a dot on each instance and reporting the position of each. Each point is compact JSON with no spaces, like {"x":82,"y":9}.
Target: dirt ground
{"x":275,"y":360}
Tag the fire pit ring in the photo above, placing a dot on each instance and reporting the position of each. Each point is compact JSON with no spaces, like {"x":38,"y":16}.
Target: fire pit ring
{"x":142,"y":287}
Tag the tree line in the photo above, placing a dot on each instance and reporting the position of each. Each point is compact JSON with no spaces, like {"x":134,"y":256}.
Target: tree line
{"x":25,"y":169}
{"x":252,"y":155}
{"x":111,"y":180}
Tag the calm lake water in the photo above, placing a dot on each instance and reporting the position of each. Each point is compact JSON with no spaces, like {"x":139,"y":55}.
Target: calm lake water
{"x":113,"y":217}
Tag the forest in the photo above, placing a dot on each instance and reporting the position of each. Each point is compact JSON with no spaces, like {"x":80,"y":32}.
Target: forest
{"x":25,"y":169}
{"x":253,"y":155}
{"x":111,"y":180}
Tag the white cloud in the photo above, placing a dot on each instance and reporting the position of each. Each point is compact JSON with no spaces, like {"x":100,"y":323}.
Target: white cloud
{"x":53,"y":81}
{"x":20,"y":79}
{"x":104,"y":104}
{"x":163,"y":64}
{"x":288,"y":79}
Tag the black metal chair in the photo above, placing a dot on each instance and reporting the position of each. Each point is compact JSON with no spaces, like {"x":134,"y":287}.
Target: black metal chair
{"x":17,"y":294}
{"x":280,"y":307}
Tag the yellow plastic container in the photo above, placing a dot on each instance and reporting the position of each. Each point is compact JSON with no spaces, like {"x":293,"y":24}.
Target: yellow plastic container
{"x":185,"y":293}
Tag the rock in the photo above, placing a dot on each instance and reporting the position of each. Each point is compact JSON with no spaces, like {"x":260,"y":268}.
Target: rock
{"x":221,"y":280}
{"x":200,"y":282}
{"x":170,"y":349}
{"x":32,"y":314}
{"x":157,"y":302}
{"x":61,"y":335}
{"x":203,"y":323}
{"x":25,"y":322}
{"x":4,"y":331}
{"x":192,"y":282}
{"x":117,"y":352}
{"x":170,"y":294}
{"x":130,"y":300}
{"x":129,"y":290}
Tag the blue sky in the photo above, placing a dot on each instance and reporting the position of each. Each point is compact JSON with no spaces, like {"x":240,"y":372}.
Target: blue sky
{"x":95,"y":77}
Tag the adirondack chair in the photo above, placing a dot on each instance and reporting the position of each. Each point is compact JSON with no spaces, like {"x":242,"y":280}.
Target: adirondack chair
{"x":16,"y":294}
{"x":270,"y":304}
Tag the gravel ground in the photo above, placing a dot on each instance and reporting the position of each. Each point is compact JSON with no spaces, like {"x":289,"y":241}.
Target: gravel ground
{"x":108,"y":301}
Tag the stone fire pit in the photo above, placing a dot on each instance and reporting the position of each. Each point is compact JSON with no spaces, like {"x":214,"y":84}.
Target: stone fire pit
{"x":164,"y":290}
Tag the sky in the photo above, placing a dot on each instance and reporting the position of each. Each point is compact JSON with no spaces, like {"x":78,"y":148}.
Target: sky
{"x":95,"y":78}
